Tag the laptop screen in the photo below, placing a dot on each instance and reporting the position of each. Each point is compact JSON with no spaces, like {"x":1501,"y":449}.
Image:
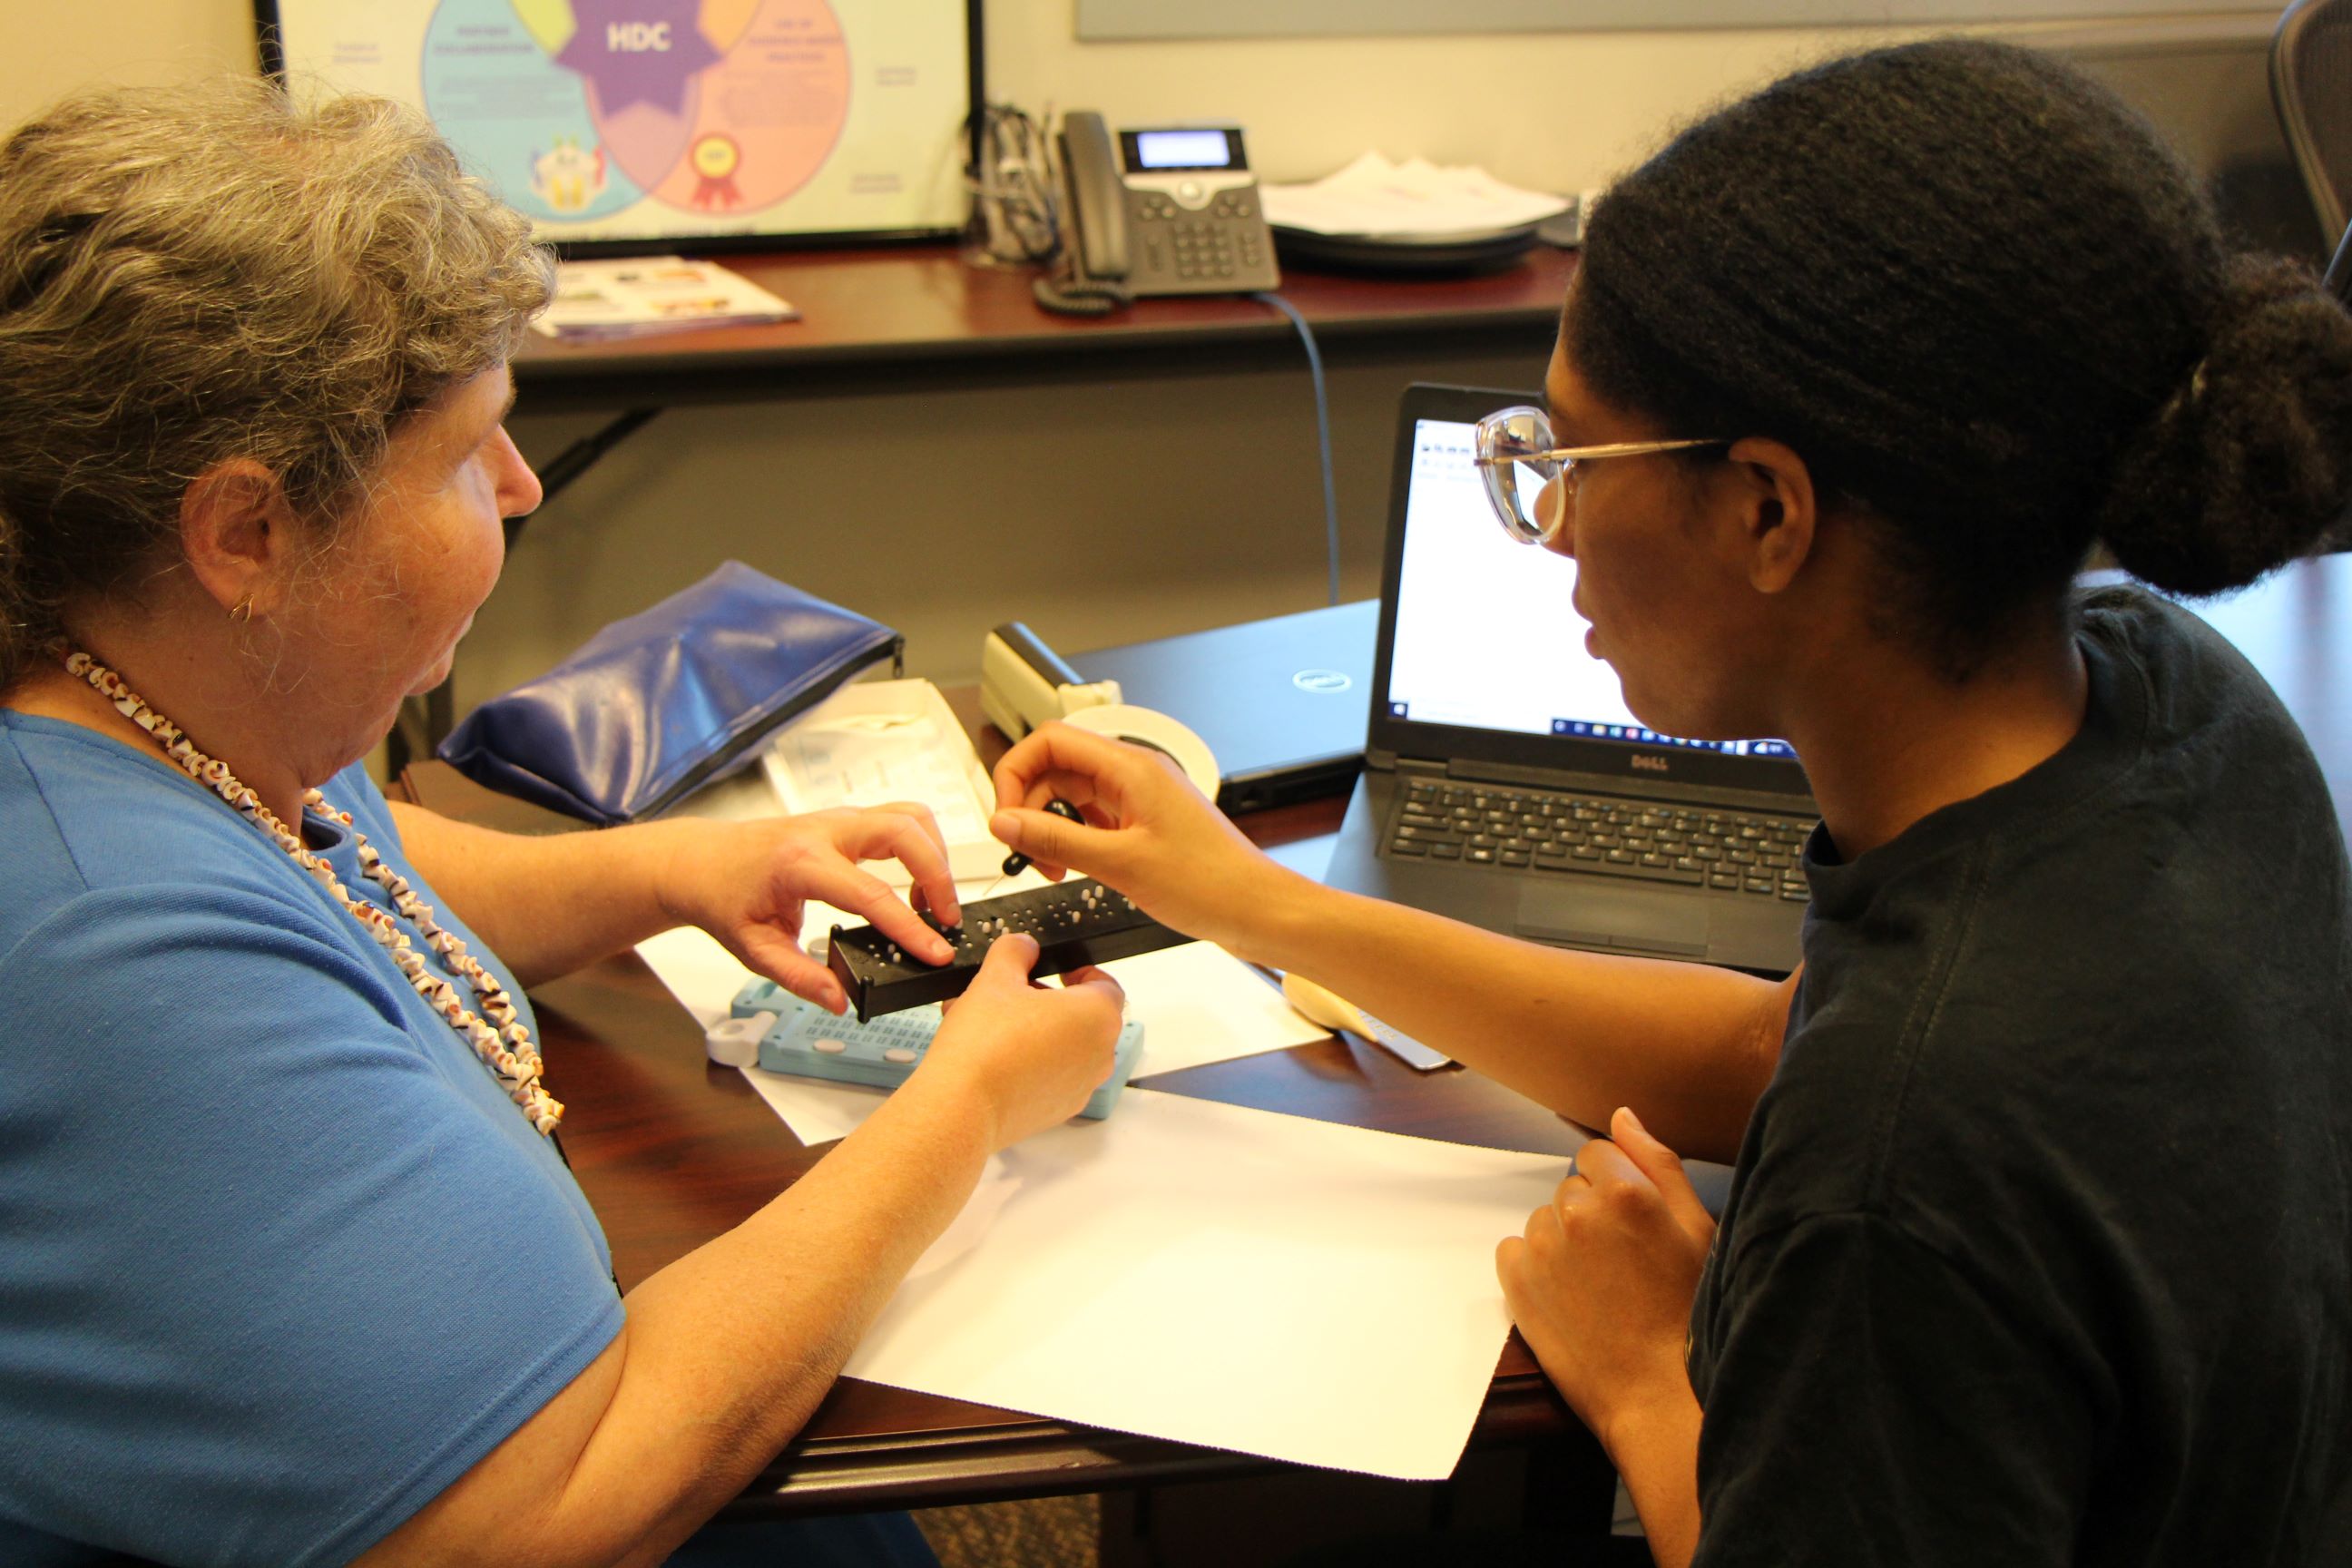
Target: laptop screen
{"x":1485,"y":636}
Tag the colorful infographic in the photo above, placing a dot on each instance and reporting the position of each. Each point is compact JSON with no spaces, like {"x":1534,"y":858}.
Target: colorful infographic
{"x":659,"y":119}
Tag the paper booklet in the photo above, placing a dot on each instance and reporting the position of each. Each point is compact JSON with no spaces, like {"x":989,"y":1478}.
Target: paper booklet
{"x":628,"y":297}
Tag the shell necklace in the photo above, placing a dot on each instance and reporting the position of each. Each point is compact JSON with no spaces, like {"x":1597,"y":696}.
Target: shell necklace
{"x":503,"y":1044}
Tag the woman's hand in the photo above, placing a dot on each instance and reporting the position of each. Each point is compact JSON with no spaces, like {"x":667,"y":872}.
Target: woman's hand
{"x":1602,"y":1280}
{"x":749,"y":883}
{"x":1029,"y":1054}
{"x":1147,"y":832}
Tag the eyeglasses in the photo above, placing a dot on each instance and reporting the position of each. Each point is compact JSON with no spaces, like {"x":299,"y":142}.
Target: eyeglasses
{"x":1520,"y":466}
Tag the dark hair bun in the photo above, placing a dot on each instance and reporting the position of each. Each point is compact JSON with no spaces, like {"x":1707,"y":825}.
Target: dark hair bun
{"x":2250,"y":463}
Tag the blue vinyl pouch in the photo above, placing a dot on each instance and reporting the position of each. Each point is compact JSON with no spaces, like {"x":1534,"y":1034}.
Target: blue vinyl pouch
{"x":660,"y":704}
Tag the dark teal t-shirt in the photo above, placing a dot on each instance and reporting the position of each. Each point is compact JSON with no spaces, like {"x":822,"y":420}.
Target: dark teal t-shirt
{"x":281,"y":1261}
{"x":2039,"y":1248}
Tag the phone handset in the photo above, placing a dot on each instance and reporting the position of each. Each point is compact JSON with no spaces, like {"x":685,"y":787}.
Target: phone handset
{"x":1089,"y":280}
{"x":1101,"y":204}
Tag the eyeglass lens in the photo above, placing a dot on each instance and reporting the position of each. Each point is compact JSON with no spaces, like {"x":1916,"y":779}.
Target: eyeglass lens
{"x":1515,"y":488}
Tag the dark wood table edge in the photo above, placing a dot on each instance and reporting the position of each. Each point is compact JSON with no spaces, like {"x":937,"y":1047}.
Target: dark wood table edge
{"x":1034,"y":1456}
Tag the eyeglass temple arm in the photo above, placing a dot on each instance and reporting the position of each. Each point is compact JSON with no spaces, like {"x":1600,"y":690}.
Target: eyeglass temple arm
{"x":1616,"y":449}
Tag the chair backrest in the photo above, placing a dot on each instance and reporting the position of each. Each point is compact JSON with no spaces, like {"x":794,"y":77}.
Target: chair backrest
{"x":2311,"y":83}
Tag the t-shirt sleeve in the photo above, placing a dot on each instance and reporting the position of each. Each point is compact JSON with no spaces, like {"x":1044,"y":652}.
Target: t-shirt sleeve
{"x":275,"y":1280}
{"x":1868,"y":1404}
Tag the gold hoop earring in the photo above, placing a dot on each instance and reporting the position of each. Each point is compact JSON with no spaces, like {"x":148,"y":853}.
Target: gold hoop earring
{"x":241,"y":611}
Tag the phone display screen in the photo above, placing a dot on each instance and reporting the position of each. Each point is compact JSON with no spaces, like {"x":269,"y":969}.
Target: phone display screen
{"x":1191,"y":149}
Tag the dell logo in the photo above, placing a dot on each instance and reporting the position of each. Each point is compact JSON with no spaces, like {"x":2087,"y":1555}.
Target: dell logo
{"x":1643,"y":762}
{"x":1322,"y":681}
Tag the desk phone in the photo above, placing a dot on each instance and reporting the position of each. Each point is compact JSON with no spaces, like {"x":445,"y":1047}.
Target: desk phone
{"x":810,"y":1042}
{"x":1163,"y":210}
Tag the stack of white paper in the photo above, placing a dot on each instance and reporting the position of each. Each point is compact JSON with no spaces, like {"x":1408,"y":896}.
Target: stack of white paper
{"x":1374,"y":198}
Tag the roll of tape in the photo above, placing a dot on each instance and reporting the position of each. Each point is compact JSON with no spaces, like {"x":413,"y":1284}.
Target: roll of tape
{"x":1145,"y":727}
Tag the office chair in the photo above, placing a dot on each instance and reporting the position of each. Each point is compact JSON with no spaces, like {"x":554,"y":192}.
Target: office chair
{"x":2311,"y":84}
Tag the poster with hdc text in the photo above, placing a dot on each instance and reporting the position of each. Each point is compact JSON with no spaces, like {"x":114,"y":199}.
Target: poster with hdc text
{"x":671,"y":120}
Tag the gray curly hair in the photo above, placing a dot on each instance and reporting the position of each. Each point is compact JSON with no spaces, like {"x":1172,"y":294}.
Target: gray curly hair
{"x":218,"y":271}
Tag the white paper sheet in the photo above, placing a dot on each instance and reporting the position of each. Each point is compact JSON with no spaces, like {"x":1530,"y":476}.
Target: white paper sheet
{"x":1226,"y":1277}
{"x":1197,"y":1003}
{"x":1200,"y":1005}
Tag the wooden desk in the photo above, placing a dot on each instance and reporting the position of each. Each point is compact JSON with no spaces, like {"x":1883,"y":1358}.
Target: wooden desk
{"x":869,"y":319}
{"x":672,"y":1151}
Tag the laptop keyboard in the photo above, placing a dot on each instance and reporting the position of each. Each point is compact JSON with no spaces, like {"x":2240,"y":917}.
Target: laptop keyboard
{"x":1649,"y":841}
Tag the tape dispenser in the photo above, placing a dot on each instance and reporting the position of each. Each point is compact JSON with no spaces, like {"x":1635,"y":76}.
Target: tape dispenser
{"x":1023,"y":684}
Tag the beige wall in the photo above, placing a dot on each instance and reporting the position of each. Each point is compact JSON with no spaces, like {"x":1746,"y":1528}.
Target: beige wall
{"x":1135,"y":507}
{"x":52,"y":48}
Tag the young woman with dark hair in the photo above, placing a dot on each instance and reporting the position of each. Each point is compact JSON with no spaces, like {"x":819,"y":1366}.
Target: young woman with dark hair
{"x":2039,"y":1246}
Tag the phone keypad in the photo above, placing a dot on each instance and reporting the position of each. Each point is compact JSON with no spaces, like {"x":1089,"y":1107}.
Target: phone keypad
{"x":1223,"y":241}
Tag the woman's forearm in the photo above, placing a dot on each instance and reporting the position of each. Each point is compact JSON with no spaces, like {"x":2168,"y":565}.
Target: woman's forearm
{"x":1689,"y":1046}
{"x":548,"y":904}
{"x":724,"y":1354}
{"x":1657,"y":1456}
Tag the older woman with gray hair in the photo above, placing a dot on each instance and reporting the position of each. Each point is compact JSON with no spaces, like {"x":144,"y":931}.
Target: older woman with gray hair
{"x":295,"y":1270}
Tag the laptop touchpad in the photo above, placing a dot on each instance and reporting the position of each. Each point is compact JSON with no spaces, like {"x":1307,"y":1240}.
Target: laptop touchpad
{"x":1576,"y":911}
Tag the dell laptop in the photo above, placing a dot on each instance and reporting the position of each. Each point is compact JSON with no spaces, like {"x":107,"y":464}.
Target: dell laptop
{"x":1507,"y":785}
{"x":1280,"y":702}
